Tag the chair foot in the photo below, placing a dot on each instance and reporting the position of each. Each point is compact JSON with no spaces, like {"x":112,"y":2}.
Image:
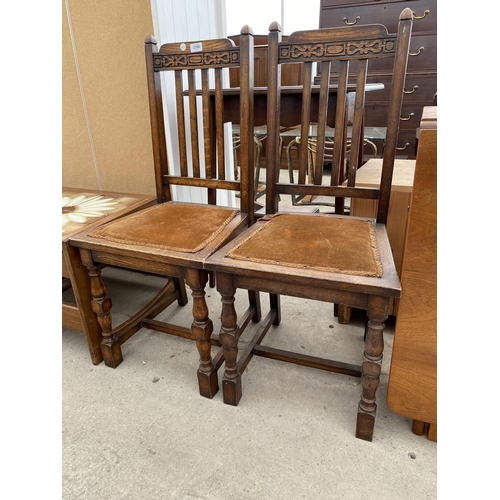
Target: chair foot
{"x":364,"y":425}
{"x":254,"y":300}
{"x":208,"y":383}
{"x":231,"y":390}
{"x":180,"y":287}
{"x":344,"y":314}
{"x":112,"y":354}
{"x":276,"y":306}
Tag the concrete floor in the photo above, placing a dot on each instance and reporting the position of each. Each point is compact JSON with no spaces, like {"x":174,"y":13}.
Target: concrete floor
{"x":141,"y":431}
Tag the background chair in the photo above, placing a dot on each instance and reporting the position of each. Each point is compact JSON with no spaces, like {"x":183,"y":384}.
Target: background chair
{"x":290,"y":77}
{"x":369,"y":134}
{"x":174,"y":238}
{"x":260,"y":134}
{"x":326,"y":257}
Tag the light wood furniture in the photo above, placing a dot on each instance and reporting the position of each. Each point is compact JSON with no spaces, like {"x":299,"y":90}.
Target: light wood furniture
{"x":85,"y":209}
{"x":397,"y":219}
{"x":421,"y":78}
{"x":173,"y":239}
{"x":412,"y":389}
{"x":325,"y":257}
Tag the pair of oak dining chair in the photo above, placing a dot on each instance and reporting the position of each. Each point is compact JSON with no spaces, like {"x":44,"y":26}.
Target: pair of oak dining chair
{"x":332,"y":257}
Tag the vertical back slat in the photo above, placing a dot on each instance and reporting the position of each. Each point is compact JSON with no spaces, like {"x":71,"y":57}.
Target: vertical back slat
{"x":323,"y":107}
{"x":181,"y":122}
{"x":208,"y":128}
{"x":340,"y":125}
{"x":219,"y":125}
{"x":305,"y":122}
{"x":193,"y":123}
{"x":357,"y":126}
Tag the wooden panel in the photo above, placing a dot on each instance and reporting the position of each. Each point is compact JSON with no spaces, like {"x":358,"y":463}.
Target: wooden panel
{"x":78,"y":164}
{"x":402,"y":179}
{"x":412,"y":389}
{"x":110,"y":51}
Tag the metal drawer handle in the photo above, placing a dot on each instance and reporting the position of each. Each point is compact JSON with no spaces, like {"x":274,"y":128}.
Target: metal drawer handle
{"x":421,"y":17}
{"x":415,"y":87}
{"x":351,"y":23}
{"x":404,"y":147}
{"x":416,"y":53}
{"x":406,"y":119}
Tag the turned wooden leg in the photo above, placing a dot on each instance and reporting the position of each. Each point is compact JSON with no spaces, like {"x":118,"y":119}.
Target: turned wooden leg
{"x":231,"y":381}
{"x":276,"y":305}
{"x":211,"y":279}
{"x":432,"y":433}
{"x":81,"y":289}
{"x":418,"y":427}
{"x":180,"y":288}
{"x":202,"y":328}
{"x":254,"y":300}
{"x":344,"y":314}
{"x":377,"y":312}
{"x":101,"y":305}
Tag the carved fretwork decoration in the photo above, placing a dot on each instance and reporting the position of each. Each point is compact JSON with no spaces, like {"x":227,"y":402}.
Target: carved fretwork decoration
{"x":375,"y":48}
{"x":192,"y":61}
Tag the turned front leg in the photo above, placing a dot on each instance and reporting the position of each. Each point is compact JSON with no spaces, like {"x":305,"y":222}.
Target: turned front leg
{"x":101,"y":305}
{"x":377,"y":312}
{"x":231,"y":381}
{"x":202,"y":328}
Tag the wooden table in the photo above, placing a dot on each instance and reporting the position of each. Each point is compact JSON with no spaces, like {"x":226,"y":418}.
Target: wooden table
{"x":412,"y":389}
{"x":81,"y":209}
{"x":291,"y":104}
{"x":291,"y":109}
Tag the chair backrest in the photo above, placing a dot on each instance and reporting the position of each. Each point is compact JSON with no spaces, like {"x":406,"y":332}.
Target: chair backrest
{"x":346,"y":46}
{"x":290,"y":74}
{"x":200,"y":116}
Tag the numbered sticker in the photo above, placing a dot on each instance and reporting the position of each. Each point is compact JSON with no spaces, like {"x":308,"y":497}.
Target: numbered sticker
{"x":196,"y":47}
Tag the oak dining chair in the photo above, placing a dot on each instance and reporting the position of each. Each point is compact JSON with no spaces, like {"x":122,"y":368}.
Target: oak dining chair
{"x":174,"y":238}
{"x":332,"y":258}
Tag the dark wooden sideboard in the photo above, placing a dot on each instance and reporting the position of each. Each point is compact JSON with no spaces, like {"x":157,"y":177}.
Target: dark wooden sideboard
{"x":421,"y":79}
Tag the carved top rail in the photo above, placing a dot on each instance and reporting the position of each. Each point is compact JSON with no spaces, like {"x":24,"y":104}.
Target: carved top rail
{"x":372,"y":42}
{"x":195,"y":55}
